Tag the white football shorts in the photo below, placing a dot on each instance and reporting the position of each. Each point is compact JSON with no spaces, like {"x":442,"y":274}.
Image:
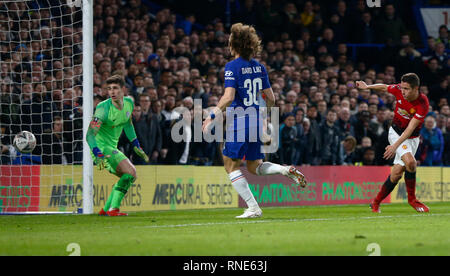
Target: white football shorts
{"x":409,"y":145}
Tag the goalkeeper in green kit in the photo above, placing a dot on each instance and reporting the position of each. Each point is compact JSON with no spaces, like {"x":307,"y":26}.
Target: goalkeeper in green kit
{"x":110,"y":118}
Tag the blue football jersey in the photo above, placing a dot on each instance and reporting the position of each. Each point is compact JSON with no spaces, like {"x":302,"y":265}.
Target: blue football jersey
{"x":248,"y":77}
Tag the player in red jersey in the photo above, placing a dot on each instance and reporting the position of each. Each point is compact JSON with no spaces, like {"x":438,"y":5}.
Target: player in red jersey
{"x":410,"y":110}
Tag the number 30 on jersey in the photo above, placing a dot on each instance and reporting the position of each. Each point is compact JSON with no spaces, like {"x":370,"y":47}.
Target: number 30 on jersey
{"x":253,"y":87}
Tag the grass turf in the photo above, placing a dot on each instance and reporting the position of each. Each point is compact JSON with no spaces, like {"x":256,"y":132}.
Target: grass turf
{"x":330,"y":230}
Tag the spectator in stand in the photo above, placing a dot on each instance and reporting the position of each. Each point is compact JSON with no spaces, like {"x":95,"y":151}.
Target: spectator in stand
{"x":199,"y":92}
{"x":390,"y":26}
{"x":144,"y":103}
{"x":379,"y":124}
{"x":307,"y":15}
{"x":316,"y":29}
{"x":445,"y":110}
{"x":441,"y":121}
{"x":330,"y":140}
{"x":322,"y":108}
{"x":301,"y":138}
{"x":441,"y":55}
{"x":55,"y":148}
{"x":368,"y":156}
{"x":431,"y":146}
{"x":440,"y":90}
{"x":339,"y":28}
{"x":291,"y":19}
{"x":365,"y":29}
{"x":443,"y":36}
{"x":329,"y":41}
{"x":366,"y":142}
{"x":362,"y":126}
{"x":343,"y":123}
{"x":288,"y":140}
{"x":269,"y":19}
{"x":153,"y":63}
{"x":431,"y":74}
{"x":312,"y":137}
{"x":409,"y":60}
{"x":248,"y":14}
{"x":347,"y":150}
{"x":149,"y":133}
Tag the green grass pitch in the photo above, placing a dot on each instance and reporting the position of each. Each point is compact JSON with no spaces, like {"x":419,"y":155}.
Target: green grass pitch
{"x":330,"y":230}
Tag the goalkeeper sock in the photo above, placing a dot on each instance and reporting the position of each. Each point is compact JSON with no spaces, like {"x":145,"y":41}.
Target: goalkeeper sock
{"x":108,"y":201}
{"x":241,"y":185}
{"x":410,"y":181}
{"x":267,"y":168}
{"x":120,"y":189}
{"x":385,"y":190}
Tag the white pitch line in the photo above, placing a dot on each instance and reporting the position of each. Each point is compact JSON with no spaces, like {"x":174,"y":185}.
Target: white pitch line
{"x":280,"y":220}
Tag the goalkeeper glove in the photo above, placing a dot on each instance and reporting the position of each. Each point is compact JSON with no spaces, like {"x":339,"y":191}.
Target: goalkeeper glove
{"x":100,"y":159}
{"x":139,"y":151}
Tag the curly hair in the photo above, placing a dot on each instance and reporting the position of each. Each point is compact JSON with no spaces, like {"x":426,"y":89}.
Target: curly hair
{"x":244,"y":41}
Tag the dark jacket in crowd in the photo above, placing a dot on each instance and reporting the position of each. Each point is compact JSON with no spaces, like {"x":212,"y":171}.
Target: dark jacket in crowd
{"x":314,"y":144}
{"x":148,"y":132}
{"x":330,"y":145}
{"x":288,"y":142}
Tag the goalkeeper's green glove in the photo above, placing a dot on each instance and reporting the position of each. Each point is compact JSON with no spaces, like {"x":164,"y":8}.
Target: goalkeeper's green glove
{"x":100,"y":159}
{"x":139,"y":151}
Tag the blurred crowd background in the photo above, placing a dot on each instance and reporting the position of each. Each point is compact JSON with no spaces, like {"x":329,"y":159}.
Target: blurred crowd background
{"x":173,"y":52}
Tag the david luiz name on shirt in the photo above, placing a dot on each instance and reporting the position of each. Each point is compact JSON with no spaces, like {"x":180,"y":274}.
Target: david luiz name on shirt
{"x":251,"y":70}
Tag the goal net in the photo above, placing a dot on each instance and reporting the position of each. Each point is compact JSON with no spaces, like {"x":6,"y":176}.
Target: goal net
{"x":41,"y":57}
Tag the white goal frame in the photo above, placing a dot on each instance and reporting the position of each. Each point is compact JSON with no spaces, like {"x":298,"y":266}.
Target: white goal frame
{"x":88,"y":86}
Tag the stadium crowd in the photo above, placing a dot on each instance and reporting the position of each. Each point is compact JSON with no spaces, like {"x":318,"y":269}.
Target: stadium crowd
{"x":169,"y":60}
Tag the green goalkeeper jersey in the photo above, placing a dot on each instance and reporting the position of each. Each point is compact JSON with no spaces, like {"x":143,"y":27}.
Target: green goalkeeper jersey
{"x":113,"y":122}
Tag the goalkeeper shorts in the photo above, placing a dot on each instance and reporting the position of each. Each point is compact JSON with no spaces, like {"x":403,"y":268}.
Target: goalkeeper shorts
{"x":114,"y":159}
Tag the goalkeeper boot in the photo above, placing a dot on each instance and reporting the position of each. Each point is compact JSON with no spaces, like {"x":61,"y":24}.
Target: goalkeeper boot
{"x":418,"y":206}
{"x":254,"y":212}
{"x":375,"y":207}
{"x":115,"y":213}
{"x":102,"y":213}
{"x":297,"y":176}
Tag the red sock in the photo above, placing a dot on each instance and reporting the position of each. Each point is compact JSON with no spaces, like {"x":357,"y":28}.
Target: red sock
{"x":410,"y":181}
{"x":385,"y":190}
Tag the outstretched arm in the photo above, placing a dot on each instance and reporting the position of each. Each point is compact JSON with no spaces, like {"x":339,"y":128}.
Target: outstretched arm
{"x":378,"y":87}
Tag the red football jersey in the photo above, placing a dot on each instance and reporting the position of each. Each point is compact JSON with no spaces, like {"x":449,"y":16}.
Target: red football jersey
{"x":405,"y":111}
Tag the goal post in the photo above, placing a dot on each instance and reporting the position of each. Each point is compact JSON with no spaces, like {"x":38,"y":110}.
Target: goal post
{"x":88,"y":86}
{"x":46,"y":87}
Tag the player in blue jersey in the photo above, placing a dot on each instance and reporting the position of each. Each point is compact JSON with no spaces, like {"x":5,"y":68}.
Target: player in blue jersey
{"x":246,"y":80}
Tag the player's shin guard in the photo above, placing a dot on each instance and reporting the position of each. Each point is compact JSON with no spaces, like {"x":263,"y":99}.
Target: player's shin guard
{"x":385,"y":190}
{"x":120,"y":189}
{"x":241,"y":185}
{"x":410,"y":181}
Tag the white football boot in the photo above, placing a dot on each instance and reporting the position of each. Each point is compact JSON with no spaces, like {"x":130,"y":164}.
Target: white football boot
{"x":254,"y":212}
{"x":297,"y":176}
